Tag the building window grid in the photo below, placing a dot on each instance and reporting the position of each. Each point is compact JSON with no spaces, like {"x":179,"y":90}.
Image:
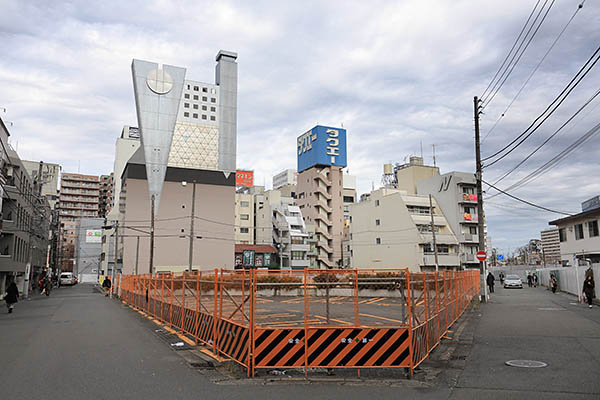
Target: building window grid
{"x":578,"y":231}
{"x":593,"y":228}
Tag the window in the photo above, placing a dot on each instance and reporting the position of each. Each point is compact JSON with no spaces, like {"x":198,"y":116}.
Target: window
{"x":346,"y":209}
{"x":204,"y":90}
{"x":468,"y":190}
{"x":213,"y":100}
{"x":377,"y":240}
{"x":473,"y":230}
{"x":187,"y":95}
{"x":377,"y":222}
{"x":244,"y":204}
{"x":213,"y":91}
{"x":203,"y":108}
{"x":213,"y":109}
{"x":562,"y":235}
{"x":186,"y":114}
{"x":195,"y":115}
{"x":593,"y":228}
{"x":578,"y":231}
{"x":186,"y":105}
{"x":195,"y":97}
{"x":195,"y":106}
{"x":212,"y":118}
{"x":188,"y":87}
{"x":244,"y":217}
{"x":297,"y":255}
{"x":204,"y":98}
{"x":196,"y":88}
{"x":297,"y":240}
{"x":243,"y":230}
{"x":203,"y":116}
{"x":348,"y":199}
{"x":376,"y":203}
{"x":418,"y":209}
{"x":470,"y":210}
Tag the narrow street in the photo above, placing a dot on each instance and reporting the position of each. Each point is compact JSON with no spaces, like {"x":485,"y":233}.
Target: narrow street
{"x":77,"y":344}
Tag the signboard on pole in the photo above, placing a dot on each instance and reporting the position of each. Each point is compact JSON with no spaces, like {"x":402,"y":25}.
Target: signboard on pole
{"x":500,"y":257}
{"x":93,"y":236}
{"x":481,"y":255}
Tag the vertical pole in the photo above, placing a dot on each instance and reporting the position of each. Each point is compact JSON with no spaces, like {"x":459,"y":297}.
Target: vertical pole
{"x":305,"y":324}
{"x":220,"y":310}
{"x":183,"y":301}
{"x":191,"y":249}
{"x":137,"y":254}
{"x":437,"y":306}
{"x":151,"y":266}
{"x":435,"y":251}
{"x":116,"y":257}
{"x":162,"y":295}
{"x":327,"y":296}
{"x":171,"y":302}
{"x":215,"y":312}
{"x":478,"y":178}
{"x":251,"y":327}
{"x":410,"y":332}
{"x":425,"y":294}
{"x":356,"y":297}
{"x":197,"y":306}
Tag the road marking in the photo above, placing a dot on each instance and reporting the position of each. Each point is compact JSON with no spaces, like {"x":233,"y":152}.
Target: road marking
{"x":383,"y":318}
{"x":334,"y":320}
{"x":373,"y":301}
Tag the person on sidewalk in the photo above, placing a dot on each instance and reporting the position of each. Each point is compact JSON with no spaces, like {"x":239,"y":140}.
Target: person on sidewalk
{"x":534,"y":278}
{"x":588,"y":289}
{"x":490,"y":281}
{"x":12,"y":296}
{"x":529,"y":279}
{"x":553,"y":283}
{"x":106,"y":286}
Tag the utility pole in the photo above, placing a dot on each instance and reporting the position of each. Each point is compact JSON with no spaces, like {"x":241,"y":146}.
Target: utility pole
{"x":112,"y":281}
{"x":435,"y":251}
{"x":191,"y":256}
{"x":479,"y":199}
{"x":151,"y":267}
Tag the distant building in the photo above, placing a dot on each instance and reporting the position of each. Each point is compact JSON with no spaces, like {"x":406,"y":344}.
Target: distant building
{"x":105,"y":199}
{"x":49,"y":179}
{"x":579,"y":235}
{"x":392,"y":229}
{"x":79,"y":196}
{"x":254,"y":256}
{"x":88,"y":248}
{"x":321,"y":157}
{"x":286,"y":177}
{"x":244,"y":218}
{"x":349,"y":198}
{"x":551,"y":246}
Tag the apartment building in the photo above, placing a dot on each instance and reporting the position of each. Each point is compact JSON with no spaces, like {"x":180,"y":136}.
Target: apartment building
{"x":321,"y":157}
{"x":578,"y":234}
{"x":392,"y":229}
{"x":79,"y":196}
{"x":349,"y":198}
{"x":105,"y":197}
{"x":456,"y":194}
{"x":25,"y":221}
{"x":550,"y":246}
{"x":244,"y":218}
{"x":49,"y":178}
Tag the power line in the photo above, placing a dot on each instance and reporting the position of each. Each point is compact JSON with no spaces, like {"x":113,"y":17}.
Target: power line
{"x":486,"y":102}
{"x":560,"y":99}
{"x":579,"y":7}
{"x":525,"y":201}
{"x":549,"y":138}
{"x":511,"y":49}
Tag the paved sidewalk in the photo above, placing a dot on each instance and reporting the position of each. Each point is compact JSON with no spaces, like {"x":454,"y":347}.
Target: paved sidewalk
{"x":533,"y":324}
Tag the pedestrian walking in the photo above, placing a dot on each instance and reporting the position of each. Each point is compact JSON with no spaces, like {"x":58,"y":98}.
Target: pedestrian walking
{"x":553,"y":283}
{"x":501,"y":276}
{"x":529,"y":279}
{"x":12,"y":296}
{"x":534,"y":279}
{"x":588,"y":289}
{"x":490,"y":281}
{"x":106,"y":285}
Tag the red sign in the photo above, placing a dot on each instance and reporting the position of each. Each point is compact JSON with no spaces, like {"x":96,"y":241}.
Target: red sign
{"x":244,"y":178}
{"x":481,"y":255}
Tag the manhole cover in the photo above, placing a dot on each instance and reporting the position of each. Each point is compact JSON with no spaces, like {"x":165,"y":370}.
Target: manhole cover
{"x":526,"y":364}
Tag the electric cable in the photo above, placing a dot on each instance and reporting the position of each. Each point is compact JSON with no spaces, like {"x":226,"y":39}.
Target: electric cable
{"x":527,"y":202}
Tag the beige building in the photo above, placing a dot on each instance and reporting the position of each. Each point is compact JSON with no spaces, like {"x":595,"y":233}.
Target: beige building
{"x":349,"y":198}
{"x":244,"y":218}
{"x":319,"y":196}
{"x":550,"y":246}
{"x":407,"y":175}
{"x":392,"y":229}
{"x":49,"y":179}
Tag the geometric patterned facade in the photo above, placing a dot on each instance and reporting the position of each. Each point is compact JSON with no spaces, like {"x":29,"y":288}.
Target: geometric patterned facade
{"x":195,"y":146}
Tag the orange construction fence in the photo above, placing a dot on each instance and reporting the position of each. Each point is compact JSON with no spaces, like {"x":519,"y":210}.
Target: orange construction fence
{"x":311,"y":318}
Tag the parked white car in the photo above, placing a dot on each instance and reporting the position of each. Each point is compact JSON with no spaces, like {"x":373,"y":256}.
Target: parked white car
{"x":67,"y":278}
{"x":513,"y":281}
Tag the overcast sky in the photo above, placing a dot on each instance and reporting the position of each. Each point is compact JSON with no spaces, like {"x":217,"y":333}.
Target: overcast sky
{"x":398,"y":75}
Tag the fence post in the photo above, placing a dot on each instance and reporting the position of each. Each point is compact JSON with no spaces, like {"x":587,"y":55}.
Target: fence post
{"x":425,"y":294}
{"x":183,"y":302}
{"x":215,"y":311}
{"x":171,"y":300}
{"x":197,"y":306}
{"x":305,"y":323}
{"x":162,"y":295}
{"x":356,"y":297}
{"x":251,"y":332}
{"x":437,"y":306}
{"x":410,"y":332}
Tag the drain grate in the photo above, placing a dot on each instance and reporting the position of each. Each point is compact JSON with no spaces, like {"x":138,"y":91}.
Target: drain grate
{"x":526,"y":364}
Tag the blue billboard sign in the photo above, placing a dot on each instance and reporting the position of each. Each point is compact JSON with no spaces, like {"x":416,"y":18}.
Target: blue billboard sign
{"x":500,"y":257}
{"x":322,"y":145}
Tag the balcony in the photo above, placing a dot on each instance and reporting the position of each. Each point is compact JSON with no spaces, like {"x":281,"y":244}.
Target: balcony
{"x":323,"y":231}
{"x":322,"y":177}
{"x":323,"y":244}
{"x":299,"y":264}
{"x":467,"y":217}
{"x":299,"y":247}
{"x":468,"y":198}
{"x":468,"y":259}
{"x":323,"y":191}
{"x":469,"y":237}
{"x":440,"y":238}
{"x":325,"y":260}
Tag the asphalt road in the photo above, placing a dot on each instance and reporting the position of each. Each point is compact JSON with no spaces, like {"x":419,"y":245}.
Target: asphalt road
{"x":77,"y":344}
